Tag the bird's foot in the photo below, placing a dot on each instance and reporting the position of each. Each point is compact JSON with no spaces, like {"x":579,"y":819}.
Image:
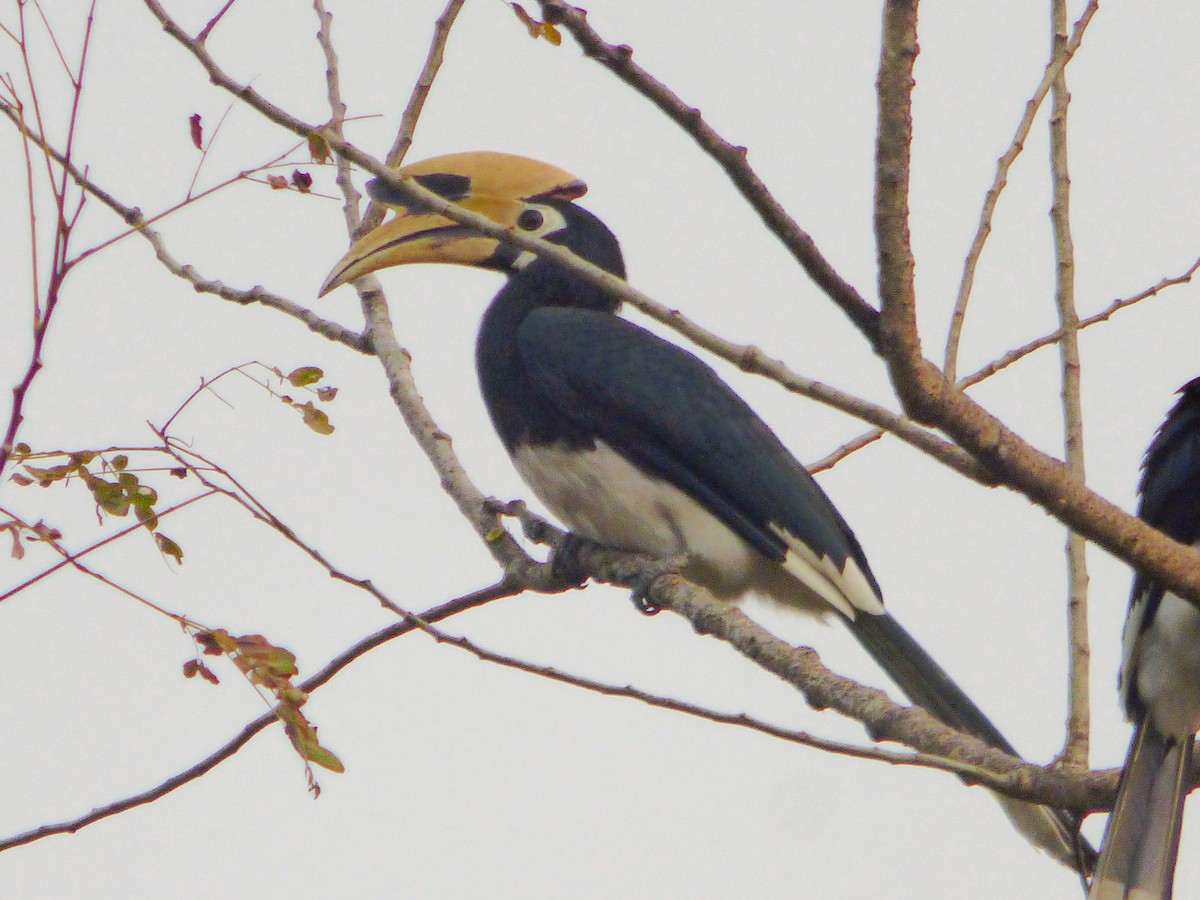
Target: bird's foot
{"x":639,"y":591}
{"x":565,"y":562}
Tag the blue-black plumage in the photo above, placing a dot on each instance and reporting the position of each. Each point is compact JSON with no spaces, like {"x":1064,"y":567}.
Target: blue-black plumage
{"x":1160,"y":678}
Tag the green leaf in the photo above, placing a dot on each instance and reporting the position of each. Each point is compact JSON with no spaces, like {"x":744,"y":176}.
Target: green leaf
{"x":143,"y":495}
{"x":119,"y":463}
{"x":109,"y":496}
{"x":304,"y":376}
{"x":322,"y":757}
{"x":315,"y":418}
{"x":317,"y":148}
{"x":46,"y":477}
{"x":168,"y":547}
{"x":146,"y":515}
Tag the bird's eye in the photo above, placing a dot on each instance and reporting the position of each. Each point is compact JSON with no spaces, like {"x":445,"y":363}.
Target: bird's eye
{"x":529,"y":220}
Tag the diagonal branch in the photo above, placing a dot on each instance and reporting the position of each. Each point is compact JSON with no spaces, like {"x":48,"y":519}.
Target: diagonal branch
{"x":618,"y":59}
{"x":133,"y":217}
{"x":416,"y":103}
{"x":1054,"y":68}
{"x":268,"y":718}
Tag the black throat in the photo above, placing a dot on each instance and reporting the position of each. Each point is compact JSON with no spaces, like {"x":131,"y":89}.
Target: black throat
{"x":519,"y":414}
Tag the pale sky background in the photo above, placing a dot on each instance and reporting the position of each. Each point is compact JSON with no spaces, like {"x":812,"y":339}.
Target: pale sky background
{"x":464,"y":780}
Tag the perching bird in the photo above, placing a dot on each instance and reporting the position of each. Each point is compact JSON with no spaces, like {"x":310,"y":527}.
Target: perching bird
{"x":638,"y":445}
{"x":1160,"y":678}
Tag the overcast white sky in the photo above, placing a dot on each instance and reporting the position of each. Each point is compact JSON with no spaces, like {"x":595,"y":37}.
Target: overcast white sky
{"x":465,"y":780}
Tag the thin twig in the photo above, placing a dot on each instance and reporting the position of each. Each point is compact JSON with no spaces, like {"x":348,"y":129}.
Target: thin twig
{"x":204,"y":148}
{"x":212,"y":23}
{"x":730,"y":157}
{"x":71,"y":558}
{"x":1075,"y":753}
{"x":1007,"y":359}
{"x":416,"y":103}
{"x":866,"y":438}
{"x":133,"y":217}
{"x":1057,"y":63}
{"x":503,"y":589}
{"x":242,"y":496}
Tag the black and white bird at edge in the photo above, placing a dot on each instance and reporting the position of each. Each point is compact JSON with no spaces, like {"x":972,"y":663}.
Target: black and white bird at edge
{"x":636,"y":444}
{"x":1160,"y":679}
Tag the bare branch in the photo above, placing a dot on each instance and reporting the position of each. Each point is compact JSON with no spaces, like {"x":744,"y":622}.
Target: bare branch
{"x":212,"y":23}
{"x":337,"y":107}
{"x":242,"y":496}
{"x":416,"y":102}
{"x":63,"y":228}
{"x":1058,"y":62}
{"x":1007,"y":359}
{"x":503,"y":589}
{"x":893,"y":147}
{"x":849,"y":447}
{"x":731,"y":158}
{"x":138,"y":223}
{"x":1075,"y":754}
{"x":884,"y":719}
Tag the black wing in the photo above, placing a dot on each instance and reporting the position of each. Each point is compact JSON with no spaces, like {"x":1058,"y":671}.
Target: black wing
{"x":670,"y":413}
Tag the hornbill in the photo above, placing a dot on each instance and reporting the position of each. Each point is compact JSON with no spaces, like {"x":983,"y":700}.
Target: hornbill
{"x":1160,"y":678}
{"x":637,"y":444}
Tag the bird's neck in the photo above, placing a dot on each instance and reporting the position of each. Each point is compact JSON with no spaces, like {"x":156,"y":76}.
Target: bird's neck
{"x":518,"y":413}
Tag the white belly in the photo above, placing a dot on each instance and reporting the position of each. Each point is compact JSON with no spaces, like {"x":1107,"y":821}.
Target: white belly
{"x":601,"y":495}
{"x":1168,"y":667}
{"x":627,"y":510}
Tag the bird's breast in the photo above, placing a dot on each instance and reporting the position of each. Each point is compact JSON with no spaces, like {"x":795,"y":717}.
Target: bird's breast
{"x":1166,"y":660}
{"x":601,"y":495}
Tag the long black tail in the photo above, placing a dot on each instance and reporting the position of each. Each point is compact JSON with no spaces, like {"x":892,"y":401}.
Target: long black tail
{"x":1141,"y":840}
{"x":926,"y":683}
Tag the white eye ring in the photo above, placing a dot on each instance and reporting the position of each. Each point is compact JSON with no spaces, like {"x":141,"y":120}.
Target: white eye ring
{"x":537,"y":220}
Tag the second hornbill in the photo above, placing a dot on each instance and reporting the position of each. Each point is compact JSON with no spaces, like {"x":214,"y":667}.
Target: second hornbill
{"x":637,"y":444}
{"x":1160,"y":678}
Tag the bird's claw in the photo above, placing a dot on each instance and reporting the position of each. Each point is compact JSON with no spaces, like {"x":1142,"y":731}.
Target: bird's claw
{"x":639,"y":593}
{"x":565,"y":561}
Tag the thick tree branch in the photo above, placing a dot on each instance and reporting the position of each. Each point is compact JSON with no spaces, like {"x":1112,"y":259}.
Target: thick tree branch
{"x":893,"y":146}
{"x":884,"y":719}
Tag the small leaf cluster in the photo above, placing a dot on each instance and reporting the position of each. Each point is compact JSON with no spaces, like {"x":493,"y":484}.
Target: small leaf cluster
{"x":306,"y":377}
{"x":271,"y":668}
{"x":115,"y":489}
